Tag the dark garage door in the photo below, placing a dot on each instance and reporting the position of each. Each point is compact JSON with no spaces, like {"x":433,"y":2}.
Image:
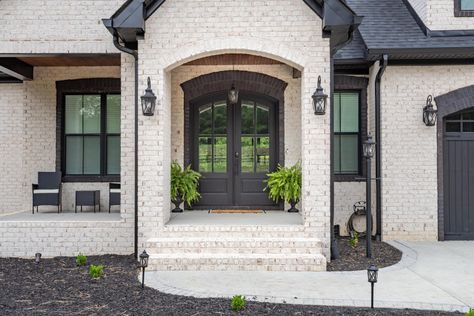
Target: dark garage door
{"x":459,"y":176}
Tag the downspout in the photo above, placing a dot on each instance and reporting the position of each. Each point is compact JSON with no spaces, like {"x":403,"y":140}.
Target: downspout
{"x":134,"y":53}
{"x":378,"y":152}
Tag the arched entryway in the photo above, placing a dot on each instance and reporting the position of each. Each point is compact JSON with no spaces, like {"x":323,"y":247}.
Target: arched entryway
{"x":234,"y":146}
{"x":456,"y":164}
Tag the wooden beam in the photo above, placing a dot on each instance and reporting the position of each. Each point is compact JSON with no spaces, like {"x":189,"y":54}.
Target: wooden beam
{"x":16,"y":68}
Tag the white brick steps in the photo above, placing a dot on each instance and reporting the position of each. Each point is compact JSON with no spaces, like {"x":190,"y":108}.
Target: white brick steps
{"x":241,"y":262}
{"x":248,"y":245}
{"x":283,"y":231}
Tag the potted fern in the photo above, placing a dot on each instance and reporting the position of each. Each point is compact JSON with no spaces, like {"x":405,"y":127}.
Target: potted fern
{"x":285,"y":185}
{"x":184,"y":186}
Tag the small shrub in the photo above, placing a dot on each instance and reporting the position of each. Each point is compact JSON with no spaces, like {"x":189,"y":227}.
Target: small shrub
{"x":354,"y":241}
{"x":470,"y":313}
{"x":238,"y":303}
{"x":81,"y":260}
{"x":96,"y":271}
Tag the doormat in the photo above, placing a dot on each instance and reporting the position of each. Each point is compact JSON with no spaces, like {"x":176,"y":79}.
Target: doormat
{"x":236,"y":211}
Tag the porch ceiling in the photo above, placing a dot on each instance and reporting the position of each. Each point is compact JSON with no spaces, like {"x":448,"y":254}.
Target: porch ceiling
{"x":234,"y":59}
{"x":72,"y":60}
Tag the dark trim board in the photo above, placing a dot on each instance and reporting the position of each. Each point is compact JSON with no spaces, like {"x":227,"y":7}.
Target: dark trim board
{"x":449,"y":103}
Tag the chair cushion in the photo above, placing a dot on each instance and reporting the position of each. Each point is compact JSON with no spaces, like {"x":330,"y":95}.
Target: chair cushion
{"x":114,"y":190}
{"x":46,"y":191}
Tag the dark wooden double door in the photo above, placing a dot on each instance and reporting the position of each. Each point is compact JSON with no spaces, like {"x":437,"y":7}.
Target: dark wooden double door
{"x":234,"y":147}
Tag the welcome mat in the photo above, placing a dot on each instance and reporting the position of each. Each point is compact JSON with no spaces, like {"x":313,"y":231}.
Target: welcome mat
{"x":236,"y":212}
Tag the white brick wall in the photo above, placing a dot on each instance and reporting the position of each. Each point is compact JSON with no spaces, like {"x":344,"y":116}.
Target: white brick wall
{"x":409,"y":157}
{"x":440,"y":16}
{"x":55,"y":26}
{"x":286,"y":30}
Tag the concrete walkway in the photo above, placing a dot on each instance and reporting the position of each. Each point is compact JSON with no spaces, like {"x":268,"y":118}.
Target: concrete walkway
{"x":431,"y":275}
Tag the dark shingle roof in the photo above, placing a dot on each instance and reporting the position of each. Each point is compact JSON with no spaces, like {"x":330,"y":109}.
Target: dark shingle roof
{"x":356,"y":49}
{"x":388,"y":26}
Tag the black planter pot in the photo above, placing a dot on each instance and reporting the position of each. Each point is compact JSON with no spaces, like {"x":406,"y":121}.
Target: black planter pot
{"x":177,"y":203}
{"x":293,"y":209}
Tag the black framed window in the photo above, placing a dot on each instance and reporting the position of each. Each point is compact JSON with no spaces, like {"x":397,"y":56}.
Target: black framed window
{"x":347,"y":133}
{"x":464,"y":8}
{"x":91,"y":135}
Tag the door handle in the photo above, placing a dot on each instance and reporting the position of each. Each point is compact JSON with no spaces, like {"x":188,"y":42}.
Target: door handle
{"x":237,"y":155}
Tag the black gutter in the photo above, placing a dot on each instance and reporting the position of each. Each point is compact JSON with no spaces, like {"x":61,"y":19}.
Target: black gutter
{"x":378,"y":152}
{"x":334,"y":246}
{"x":134,"y":53}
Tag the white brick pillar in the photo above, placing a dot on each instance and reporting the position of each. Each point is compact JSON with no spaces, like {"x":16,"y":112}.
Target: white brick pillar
{"x":315,"y":156}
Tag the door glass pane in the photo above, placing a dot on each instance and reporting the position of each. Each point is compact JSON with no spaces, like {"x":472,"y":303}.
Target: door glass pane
{"x":74,"y":154}
{"x":468,"y":127}
{"x":247,"y":159}
{"x":453,"y":127}
{"x":350,"y":112}
{"x":263,"y":154}
{"x":205,"y":119}
{"x":113,"y":155}
{"x":469,"y":115}
{"x":220,"y":118}
{"x":205,"y":154}
{"x":337,"y":112}
{"x":349,"y":153}
{"x":247,"y":116}
{"x":467,"y":4}
{"x":73,"y":114}
{"x":113,"y":114}
{"x":220,"y":154}
{"x":337,"y":153}
{"x":262,"y":119}
{"x":91,"y":114}
{"x":91,"y":155}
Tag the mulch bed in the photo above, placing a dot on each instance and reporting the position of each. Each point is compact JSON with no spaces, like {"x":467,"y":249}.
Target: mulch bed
{"x":58,"y":287}
{"x":351,"y":259}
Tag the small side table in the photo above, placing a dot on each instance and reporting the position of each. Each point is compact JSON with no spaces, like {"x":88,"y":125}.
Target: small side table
{"x":87,"y":198}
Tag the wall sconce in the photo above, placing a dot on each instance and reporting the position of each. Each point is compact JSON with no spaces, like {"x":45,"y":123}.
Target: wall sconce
{"x":148,"y":100}
{"x":429,"y":112}
{"x":319,"y":99}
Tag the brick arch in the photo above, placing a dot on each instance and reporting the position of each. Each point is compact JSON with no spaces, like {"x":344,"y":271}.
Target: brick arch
{"x":449,"y":103}
{"x":237,"y":44}
{"x":245,"y":81}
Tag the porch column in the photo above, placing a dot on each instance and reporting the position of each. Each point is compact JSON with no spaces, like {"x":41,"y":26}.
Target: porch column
{"x":315,"y":156}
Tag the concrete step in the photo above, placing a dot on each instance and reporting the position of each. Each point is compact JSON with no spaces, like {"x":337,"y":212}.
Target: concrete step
{"x":236,"y":262}
{"x":234,"y":245}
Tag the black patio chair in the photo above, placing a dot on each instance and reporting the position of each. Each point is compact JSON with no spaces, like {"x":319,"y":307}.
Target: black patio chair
{"x":47,"y":191}
{"x":114,"y":194}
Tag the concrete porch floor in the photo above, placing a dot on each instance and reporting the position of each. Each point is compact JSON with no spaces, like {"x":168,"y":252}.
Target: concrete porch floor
{"x":431,"y":276}
{"x":206,"y":218}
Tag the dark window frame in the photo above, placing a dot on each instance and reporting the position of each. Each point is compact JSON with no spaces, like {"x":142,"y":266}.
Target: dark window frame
{"x":96,"y":86}
{"x":344,"y":83}
{"x":461,"y":13}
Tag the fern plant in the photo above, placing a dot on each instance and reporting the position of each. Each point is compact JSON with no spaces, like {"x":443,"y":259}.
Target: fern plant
{"x":184,"y":185}
{"x":285,"y":185}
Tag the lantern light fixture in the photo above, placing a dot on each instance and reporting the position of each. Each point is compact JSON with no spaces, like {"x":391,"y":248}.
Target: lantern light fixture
{"x":372,"y":276}
{"x":37,"y":258}
{"x":369,"y":147}
{"x":143,"y":264}
{"x":429,"y":112}
{"x":319,"y":99}
{"x":233,"y":94}
{"x":148,"y":100}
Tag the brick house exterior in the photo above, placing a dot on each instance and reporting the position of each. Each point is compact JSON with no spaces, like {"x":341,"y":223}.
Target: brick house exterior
{"x":387,"y":65}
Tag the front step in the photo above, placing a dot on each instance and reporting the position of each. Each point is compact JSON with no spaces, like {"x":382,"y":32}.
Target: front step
{"x":236,"y":262}
{"x":235,"y":245}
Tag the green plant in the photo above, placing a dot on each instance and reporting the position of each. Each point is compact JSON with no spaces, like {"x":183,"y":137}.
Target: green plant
{"x":470,"y":313}
{"x":184,"y":183}
{"x":354,"y":241}
{"x":284,"y":184}
{"x":238,"y":303}
{"x":96,"y":271}
{"x":81,"y":260}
